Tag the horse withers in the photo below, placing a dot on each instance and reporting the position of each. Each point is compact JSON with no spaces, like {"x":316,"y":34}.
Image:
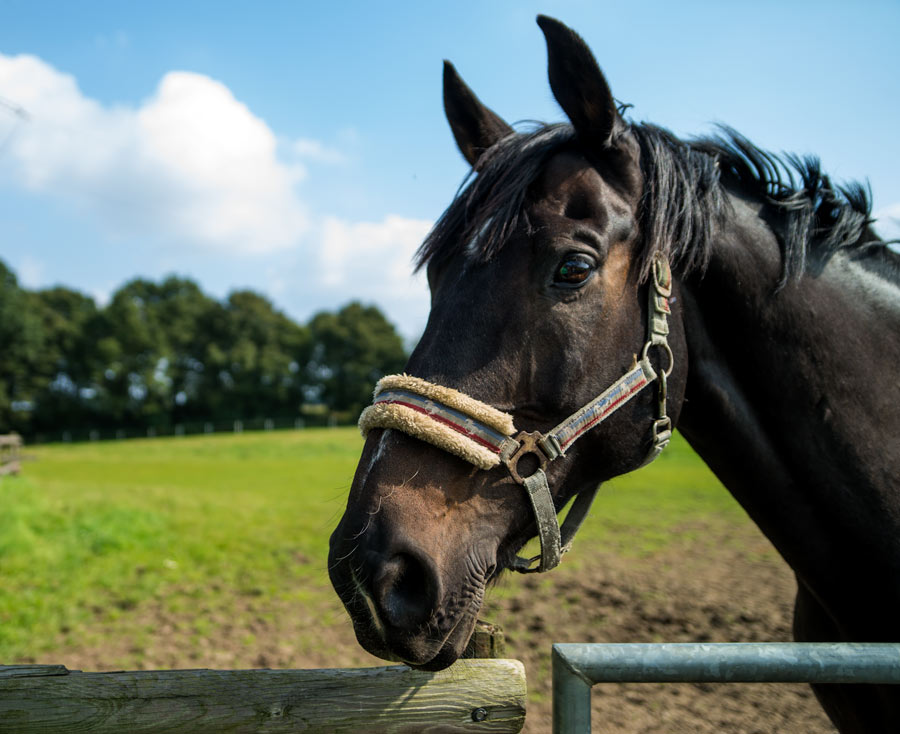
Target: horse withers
{"x":774,"y":349}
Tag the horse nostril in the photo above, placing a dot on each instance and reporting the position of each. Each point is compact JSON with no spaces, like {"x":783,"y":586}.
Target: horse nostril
{"x":407,"y":590}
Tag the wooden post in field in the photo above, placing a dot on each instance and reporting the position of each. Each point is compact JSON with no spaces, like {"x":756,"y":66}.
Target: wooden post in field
{"x":487,"y":641}
{"x":10,"y":457}
{"x":470,"y":696}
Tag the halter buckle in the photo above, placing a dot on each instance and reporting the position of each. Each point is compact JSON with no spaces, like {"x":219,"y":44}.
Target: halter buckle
{"x":662,"y":275}
{"x":529,"y":443}
{"x":662,"y":432}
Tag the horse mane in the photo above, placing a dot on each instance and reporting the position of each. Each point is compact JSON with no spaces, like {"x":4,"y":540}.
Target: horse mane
{"x":684,"y":199}
{"x":488,"y":205}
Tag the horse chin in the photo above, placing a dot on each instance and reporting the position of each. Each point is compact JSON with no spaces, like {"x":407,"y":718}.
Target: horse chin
{"x":454,"y":646}
{"x":446,"y":656}
{"x":419,"y":650}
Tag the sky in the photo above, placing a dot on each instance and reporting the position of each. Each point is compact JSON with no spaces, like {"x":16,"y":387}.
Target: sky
{"x":300,"y":149}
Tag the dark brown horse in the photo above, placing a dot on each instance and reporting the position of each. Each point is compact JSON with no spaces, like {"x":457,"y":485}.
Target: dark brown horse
{"x":785,"y":343}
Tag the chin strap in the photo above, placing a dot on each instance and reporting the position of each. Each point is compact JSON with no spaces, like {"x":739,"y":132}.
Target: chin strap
{"x":486,"y":437}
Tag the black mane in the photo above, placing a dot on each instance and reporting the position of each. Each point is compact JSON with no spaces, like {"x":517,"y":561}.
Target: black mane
{"x":684,"y":198}
{"x":488,"y":205}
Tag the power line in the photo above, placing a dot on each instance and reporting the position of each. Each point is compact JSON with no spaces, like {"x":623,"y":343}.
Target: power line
{"x":16,"y":109}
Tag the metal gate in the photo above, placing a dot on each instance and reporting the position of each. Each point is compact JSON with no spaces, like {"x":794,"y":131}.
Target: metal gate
{"x":577,"y":667}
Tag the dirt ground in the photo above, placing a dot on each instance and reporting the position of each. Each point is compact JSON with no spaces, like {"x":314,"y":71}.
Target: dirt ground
{"x":714,"y":585}
{"x":711,"y":589}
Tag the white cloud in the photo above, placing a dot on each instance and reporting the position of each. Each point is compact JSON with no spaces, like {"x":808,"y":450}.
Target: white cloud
{"x":102,"y":296}
{"x":31,"y":272}
{"x":372,"y":261}
{"x":194,"y":166}
{"x":276,"y":282}
{"x":316,"y":151}
{"x":888,"y":221}
{"x":191,"y":163}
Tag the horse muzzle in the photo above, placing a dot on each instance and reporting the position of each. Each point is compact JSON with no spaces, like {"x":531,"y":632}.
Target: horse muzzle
{"x":404,"y":606}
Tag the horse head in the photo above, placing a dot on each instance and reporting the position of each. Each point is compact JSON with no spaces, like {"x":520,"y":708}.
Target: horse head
{"x":539,"y":277}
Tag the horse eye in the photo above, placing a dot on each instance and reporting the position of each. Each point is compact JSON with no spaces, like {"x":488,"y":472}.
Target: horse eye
{"x":573,"y":271}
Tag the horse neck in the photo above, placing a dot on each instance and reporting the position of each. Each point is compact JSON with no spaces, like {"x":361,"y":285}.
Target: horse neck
{"x":791,"y":399}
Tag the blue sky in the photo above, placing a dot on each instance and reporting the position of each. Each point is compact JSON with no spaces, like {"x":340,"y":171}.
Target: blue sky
{"x":300,"y":149}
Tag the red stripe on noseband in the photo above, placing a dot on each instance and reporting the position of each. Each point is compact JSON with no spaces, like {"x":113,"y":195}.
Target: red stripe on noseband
{"x":609,"y":408}
{"x":455,"y":426}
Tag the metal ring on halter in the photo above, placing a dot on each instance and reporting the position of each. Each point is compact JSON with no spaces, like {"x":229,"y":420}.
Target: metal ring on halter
{"x":664,"y":345}
{"x":528,"y":445}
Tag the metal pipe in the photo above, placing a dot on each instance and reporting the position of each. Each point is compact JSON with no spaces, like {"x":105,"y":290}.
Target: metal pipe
{"x":571,"y":696}
{"x":576,"y":667}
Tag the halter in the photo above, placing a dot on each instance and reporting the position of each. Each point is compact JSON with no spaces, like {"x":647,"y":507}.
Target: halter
{"x":486,"y":437}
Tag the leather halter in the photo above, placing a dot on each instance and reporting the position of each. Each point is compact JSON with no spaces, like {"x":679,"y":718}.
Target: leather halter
{"x":485,"y":436}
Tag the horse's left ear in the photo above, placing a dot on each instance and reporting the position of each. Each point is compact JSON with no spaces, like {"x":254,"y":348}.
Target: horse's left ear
{"x":578,"y":84}
{"x":475,"y":126}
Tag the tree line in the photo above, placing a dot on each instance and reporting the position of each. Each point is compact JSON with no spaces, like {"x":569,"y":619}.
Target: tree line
{"x":164,"y":354}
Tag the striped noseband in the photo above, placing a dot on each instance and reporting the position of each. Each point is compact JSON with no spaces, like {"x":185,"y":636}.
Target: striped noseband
{"x":486,"y":437}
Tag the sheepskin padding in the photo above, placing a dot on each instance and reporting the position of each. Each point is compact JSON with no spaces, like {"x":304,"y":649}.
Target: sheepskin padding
{"x":421,"y":426}
{"x":482,"y":412}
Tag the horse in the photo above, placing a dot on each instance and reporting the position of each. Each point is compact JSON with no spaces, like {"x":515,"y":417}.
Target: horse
{"x":603,"y":280}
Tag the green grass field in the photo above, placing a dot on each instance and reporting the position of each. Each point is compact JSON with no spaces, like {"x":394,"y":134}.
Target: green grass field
{"x":90,"y":534}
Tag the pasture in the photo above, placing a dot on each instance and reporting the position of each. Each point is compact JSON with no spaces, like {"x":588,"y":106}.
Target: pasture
{"x":209,"y":551}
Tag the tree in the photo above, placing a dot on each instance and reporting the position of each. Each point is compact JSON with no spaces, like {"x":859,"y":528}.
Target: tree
{"x":67,"y":360}
{"x":164,"y":353}
{"x":182,"y":313}
{"x":131,"y":340}
{"x":351,"y":350}
{"x":21,"y":341}
{"x":254,"y":359}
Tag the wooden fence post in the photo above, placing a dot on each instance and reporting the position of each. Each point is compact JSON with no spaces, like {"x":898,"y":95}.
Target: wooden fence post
{"x":487,"y":641}
{"x":10,"y":454}
{"x":470,"y":696}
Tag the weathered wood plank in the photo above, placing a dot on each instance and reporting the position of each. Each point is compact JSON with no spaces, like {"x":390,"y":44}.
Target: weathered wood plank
{"x":31,"y":671}
{"x":470,"y":696}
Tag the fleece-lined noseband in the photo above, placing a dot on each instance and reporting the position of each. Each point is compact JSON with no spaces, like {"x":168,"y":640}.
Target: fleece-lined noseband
{"x":485,"y":436}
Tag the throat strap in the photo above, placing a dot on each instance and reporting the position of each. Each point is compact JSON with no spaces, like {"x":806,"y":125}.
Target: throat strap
{"x":486,"y":437}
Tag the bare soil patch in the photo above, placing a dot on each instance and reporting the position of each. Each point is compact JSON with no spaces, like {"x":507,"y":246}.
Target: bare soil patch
{"x":712,"y":585}
{"x":715,"y":586}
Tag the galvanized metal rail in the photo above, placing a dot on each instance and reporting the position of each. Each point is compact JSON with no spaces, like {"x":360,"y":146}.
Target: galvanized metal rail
{"x":577,"y":667}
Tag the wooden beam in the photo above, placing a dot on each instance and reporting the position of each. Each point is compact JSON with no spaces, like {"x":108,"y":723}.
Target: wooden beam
{"x":470,"y":696}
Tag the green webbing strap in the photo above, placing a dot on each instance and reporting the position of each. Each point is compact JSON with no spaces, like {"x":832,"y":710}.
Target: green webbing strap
{"x":545,"y":514}
{"x":555,"y":539}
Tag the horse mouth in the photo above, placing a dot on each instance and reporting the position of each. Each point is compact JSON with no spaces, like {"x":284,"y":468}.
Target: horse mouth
{"x":447,"y":653}
{"x":429,"y":648}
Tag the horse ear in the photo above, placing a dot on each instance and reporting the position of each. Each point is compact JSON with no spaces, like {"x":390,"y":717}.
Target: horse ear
{"x":475,"y":127}
{"x":578,"y":84}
